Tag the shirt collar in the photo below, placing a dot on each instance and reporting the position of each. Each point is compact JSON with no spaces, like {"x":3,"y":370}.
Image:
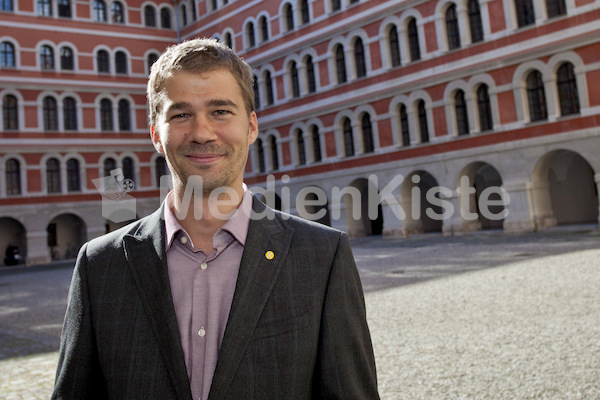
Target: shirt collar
{"x":236,"y":225}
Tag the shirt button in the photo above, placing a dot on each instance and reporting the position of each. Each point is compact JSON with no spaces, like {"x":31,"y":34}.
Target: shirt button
{"x":184,"y":240}
{"x":204,"y":266}
{"x":202,"y":332}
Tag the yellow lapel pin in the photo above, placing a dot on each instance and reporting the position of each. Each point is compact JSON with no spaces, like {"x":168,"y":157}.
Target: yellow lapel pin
{"x":269,"y":255}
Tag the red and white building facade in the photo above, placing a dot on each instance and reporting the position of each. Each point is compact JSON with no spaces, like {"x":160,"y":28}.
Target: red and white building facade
{"x":354,"y":97}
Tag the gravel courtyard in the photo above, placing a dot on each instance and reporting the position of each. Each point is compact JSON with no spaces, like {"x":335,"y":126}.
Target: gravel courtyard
{"x":480,"y":316}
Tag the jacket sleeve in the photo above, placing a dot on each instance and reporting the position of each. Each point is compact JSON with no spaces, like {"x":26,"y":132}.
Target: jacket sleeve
{"x":346,"y":364}
{"x":78,"y":374}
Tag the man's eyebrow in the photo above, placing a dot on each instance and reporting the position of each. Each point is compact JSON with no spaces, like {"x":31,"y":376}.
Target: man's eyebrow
{"x":221,"y":103}
{"x":179,"y":106}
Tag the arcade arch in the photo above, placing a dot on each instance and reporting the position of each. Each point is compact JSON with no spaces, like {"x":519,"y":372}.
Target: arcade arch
{"x":12,"y":233}
{"x":487,"y":182}
{"x":414,"y":202}
{"x":564,"y":190}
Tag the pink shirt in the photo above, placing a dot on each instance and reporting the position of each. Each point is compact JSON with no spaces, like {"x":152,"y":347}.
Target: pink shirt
{"x":202,"y":286}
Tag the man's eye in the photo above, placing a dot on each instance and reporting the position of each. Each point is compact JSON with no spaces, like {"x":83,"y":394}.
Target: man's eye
{"x":221,"y":112}
{"x":177,"y":116}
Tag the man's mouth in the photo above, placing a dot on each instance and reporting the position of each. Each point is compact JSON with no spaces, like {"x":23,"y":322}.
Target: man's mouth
{"x":204,"y":158}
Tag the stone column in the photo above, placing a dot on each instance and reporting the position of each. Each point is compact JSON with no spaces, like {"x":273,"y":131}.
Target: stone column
{"x":37,"y":248}
{"x":520,"y":217}
{"x":392,"y":220}
{"x":597,"y":179}
{"x":453,"y":225}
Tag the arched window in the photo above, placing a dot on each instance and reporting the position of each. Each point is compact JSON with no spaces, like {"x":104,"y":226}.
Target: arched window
{"x":264,"y":28}
{"x":310,"y":75}
{"x":404,"y":127}
{"x":193,"y":10}
{"x":367,"y":134}
{"x":348,"y":138}
{"x":99,"y":11}
{"x":567,"y":89}
{"x":556,"y":8}
{"x":103,"y":61}
{"x":394,"y":45}
{"x":124,"y":115}
{"x":288,"y":13}
{"x":66,"y":59}
{"x":165,"y":18}
{"x":152,"y":58}
{"x":269,"y":88}
{"x":53,"y":175}
{"x":149,"y":16}
{"x":44,"y":8}
{"x":460,"y":108}
{"x":484,"y":109}
{"x":274,"y":153}
{"x":50,"y":112}
{"x":228,"y":40}
{"x":336,"y":5}
{"x":301,"y":148}
{"x":160,"y":169}
{"x":183,"y":12}
{"x":64,"y":8}
{"x":7,"y":55}
{"x":256,"y":92}
{"x":117,"y":12}
{"x":475,"y":23}
{"x":536,"y":96}
{"x":525,"y":12}
{"x":316,"y":144}
{"x":70,"y":113}
{"x":423,"y":126}
{"x":129,"y":169}
{"x":73,"y":177}
{"x":10,"y":112}
{"x":260,"y":152}
{"x":359,"y":58}
{"x":106,"y":117}
{"x":46,"y":57}
{"x":250,"y":39}
{"x":413,"y":40}
{"x":294,"y":79}
{"x":305,"y":12}
{"x":340,"y":63}
{"x":6,"y":5}
{"x":452,"y":28}
{"x":13,"y":176}
{"x":109,"y":165}
{"x":120,"y":62}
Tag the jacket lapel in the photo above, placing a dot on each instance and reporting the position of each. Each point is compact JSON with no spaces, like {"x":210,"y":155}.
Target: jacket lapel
{"x":146,"y":256}
{"x":255,"y":282}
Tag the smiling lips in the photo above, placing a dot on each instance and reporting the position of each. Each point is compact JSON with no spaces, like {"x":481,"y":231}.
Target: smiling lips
{"x":204,"y":158}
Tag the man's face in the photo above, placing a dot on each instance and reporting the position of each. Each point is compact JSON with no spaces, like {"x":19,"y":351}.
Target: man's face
{"x":204,"y":129}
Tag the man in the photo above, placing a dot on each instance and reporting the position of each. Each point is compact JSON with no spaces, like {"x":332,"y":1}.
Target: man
{"x":214,"y":296}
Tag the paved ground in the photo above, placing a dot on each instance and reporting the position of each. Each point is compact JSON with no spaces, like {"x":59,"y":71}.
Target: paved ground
{"x":482,"y":316}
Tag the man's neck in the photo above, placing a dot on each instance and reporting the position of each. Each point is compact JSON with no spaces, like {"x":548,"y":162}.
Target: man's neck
{"x":203,"y":215}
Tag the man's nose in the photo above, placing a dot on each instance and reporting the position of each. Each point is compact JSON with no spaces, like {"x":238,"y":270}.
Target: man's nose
{"x":202,"y":130}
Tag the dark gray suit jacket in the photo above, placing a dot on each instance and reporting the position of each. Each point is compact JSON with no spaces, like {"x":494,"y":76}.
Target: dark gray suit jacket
{"x":296,"y":330}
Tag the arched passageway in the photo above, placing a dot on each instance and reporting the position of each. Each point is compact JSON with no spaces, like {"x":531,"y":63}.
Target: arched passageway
{"x":66,"y":234}
{"x":362,"y":218}
{"x":414,"y":202}
{"x":13,"y":241}
{"x":482,"y":202}
{"x":564,"y":190}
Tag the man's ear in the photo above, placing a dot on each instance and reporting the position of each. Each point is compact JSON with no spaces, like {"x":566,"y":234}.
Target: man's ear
{"x":252,"y":128}
{"x":156,"y":140}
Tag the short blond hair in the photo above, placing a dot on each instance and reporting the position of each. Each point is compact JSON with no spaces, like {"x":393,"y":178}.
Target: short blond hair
{"x":197,"y":56}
